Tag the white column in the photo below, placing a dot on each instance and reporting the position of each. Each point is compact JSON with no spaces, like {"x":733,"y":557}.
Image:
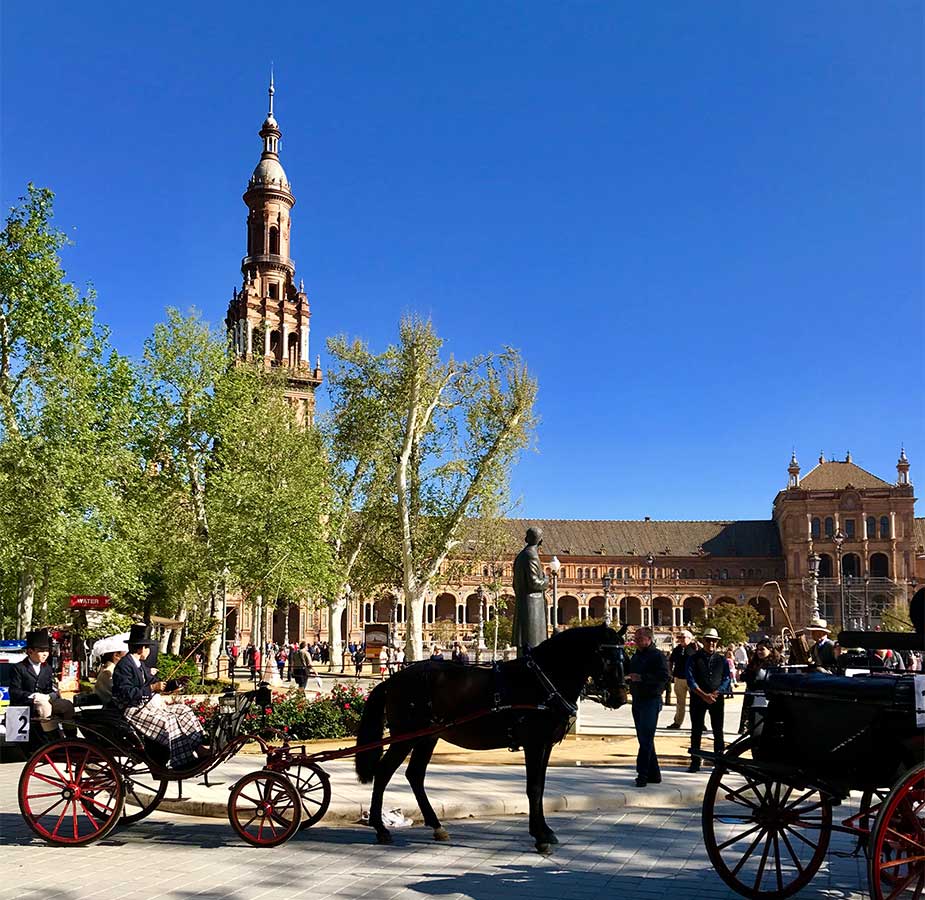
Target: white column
{"x":284,"y":335}
{"x":892,"y":525}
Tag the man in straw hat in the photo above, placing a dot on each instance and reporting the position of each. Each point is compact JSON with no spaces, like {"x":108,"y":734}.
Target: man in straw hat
{"x":135,"y":691}
{"x":708,"y":679}
{"x":822,"y":651}
{"x":32,"y":683}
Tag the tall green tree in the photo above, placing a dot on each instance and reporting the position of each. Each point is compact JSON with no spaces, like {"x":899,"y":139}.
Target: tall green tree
{"x":268,"y":493}
{"x":66,"y":410}
{"x":449,"y":433}
{"x":733,"y":623}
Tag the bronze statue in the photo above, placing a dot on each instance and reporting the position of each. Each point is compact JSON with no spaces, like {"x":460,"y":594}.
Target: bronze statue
{"x":529,"y":587}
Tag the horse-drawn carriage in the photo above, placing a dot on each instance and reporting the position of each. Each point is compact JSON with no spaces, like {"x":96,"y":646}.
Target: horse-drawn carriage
{"x":813,"y":739}
{"x":76,"y":790}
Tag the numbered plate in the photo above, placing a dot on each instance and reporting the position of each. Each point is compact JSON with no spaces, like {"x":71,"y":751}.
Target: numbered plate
{"x":15,"y":725}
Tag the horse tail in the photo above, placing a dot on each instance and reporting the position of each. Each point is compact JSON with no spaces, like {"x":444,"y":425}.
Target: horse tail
{"x":371,"y":727}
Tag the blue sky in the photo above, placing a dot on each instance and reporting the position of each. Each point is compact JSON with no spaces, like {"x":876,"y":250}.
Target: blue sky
{"x":701,"y":222}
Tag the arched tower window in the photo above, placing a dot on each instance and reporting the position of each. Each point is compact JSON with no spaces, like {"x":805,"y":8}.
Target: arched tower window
{"x":829,"y":526}
{"x":274,"y":239}
{"x":871,"y":527}
{"x":816,"y":527}
{"x":884,"y":526}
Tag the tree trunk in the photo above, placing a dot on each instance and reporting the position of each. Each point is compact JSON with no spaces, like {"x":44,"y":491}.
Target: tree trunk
{"x":43,"y":594}
{"x":213,"y":648}
{"x":335,"y":638}
{"x":414,"y":643}
{"x":25,"y":603}
{"x":175,"y":640}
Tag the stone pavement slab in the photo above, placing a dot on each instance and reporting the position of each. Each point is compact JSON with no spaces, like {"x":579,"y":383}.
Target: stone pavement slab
{"x":638,"y":853}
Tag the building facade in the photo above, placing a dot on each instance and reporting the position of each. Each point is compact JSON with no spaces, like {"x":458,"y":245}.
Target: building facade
{"x":871,"y":548}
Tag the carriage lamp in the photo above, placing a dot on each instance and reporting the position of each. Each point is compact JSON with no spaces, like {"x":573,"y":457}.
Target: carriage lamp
{"x":228,"y":703}
{"x":815,"y":560}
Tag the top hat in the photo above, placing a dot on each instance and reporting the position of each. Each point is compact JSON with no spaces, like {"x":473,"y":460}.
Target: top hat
{"x":817,"y":625}
{"x":38,"y":639}
{"x":709,"y":633}
{"x":140,"y":635}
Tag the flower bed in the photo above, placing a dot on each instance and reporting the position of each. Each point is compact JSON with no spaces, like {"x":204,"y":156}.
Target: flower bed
{"x":297,"y":715}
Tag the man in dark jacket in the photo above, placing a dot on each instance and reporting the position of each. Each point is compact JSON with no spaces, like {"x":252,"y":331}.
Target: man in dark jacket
{"x":32,"y":683}
{"x":648,"y":675}
{"x":708,"y":679}
{"x":677,"y":663}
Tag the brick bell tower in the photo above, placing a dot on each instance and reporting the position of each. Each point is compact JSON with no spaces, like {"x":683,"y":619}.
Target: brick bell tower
{"x":268,"y":318}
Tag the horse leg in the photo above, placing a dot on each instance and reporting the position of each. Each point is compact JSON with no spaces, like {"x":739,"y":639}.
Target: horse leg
{"x":536,"y":757}
{"x":417,"y":768}
{"x":385,"y":769}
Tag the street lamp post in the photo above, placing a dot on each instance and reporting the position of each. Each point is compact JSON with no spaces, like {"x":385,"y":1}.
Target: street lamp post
{"x":650,"y":562}
{"x":839,"y":538}
{"x":554,"y":567}
{"x":815,"y":561}
{"x":480,"y":592}
{"x":606,"y":582}
{"x":222,"y":661}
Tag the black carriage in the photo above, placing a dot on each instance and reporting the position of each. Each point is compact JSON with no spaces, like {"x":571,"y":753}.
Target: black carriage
{"x":814,"y":738}
{"x":76,"y":790}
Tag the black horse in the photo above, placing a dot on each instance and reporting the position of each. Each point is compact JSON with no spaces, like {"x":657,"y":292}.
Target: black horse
{"x":482,"y":708}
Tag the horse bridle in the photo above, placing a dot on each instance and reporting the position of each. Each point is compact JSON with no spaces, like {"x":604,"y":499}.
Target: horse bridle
{"x":595,"y":690}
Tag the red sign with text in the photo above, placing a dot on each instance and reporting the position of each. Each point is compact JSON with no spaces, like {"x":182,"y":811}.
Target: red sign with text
{"x":80,"y":602}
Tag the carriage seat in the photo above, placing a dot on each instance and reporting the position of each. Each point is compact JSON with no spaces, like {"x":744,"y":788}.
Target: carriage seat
{"x":112,"y":725}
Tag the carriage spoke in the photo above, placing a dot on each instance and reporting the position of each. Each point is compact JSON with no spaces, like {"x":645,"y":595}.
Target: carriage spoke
{"x":764,"y":861}
{"x":45,"y":812}
{"x":87,"y":813}
{"x":59,"y":783}
{"x":800,"y":799}
{"x":902,"y":885}
{"x":748,"y":852}
{"x":906,"y":838}
{"x":74,"y":808}
{"x":737,"y":838}
{"x":793,"y":856}
{"x":735,"y":796}
{"x":780,"y":874}
{"x":805,"y":840}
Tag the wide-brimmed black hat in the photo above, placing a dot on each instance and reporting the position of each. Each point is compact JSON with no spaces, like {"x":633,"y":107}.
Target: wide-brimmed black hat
{"x":140,"y":636}
{"x":38,"y":639}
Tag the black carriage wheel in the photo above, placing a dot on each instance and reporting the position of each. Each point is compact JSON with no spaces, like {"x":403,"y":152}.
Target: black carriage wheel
{"x":765,"y":839}
{"x":314,"y":787}
{"x":265,"y":809}
{"x":896,"y":866}
{"x":143,"y":790}
{"x":868,"y":808}
{"x":70,"y":792}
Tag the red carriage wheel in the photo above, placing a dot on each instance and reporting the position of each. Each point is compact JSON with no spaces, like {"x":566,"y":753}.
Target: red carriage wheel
{"x":897,"y":846}
{"x":70,"y":792}
{"x":143,"y":790}
{"x":265,"y":808}
{"x":765,"y":838}
{"x":314,"y":787}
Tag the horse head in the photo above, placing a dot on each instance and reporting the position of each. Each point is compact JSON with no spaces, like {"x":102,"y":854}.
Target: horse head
{"x":607,"y":673}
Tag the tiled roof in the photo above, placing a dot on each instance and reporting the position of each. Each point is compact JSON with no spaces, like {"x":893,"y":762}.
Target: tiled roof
{"x":834,"y":475}
{"x":581,"y":537}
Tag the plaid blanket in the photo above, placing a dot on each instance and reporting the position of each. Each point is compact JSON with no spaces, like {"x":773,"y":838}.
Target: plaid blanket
{"x":176,"y":727}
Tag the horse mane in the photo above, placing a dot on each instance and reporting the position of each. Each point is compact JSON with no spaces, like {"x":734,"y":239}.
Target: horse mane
{"x":564,"y":644}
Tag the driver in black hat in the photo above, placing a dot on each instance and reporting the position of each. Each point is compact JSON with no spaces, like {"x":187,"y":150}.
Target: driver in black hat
{"x":135,"y":692}
{"x":32,"y":683}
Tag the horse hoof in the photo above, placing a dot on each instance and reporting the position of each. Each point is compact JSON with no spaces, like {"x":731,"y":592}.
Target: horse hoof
{"x":551,"y":838}
{"x":544,"y":847}
{"x":441,"y":834}
{"x":383,"y":837}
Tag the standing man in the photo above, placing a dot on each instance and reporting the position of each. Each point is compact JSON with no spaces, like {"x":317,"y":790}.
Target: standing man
{"x":822,"y":652}
{"x":32,"y":683}
{"x":648,"y":675}
{"x":677,"y":663}
{"x":708,"y":679}
{"x":529,"y":627}
{"x":300,"y":665}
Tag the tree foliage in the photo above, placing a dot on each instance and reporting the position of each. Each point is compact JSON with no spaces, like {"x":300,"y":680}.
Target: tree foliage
{"x":447,"y":433}
{"x":733,"y":624}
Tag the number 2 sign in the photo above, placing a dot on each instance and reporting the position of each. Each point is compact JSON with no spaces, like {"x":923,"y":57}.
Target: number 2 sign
{"x":16,"y":726}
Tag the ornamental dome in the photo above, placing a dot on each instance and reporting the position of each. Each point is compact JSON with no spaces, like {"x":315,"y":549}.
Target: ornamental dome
{"x":269,"y":173}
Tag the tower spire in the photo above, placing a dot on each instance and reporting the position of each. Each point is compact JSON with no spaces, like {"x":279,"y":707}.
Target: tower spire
{"x":271,"y":92}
